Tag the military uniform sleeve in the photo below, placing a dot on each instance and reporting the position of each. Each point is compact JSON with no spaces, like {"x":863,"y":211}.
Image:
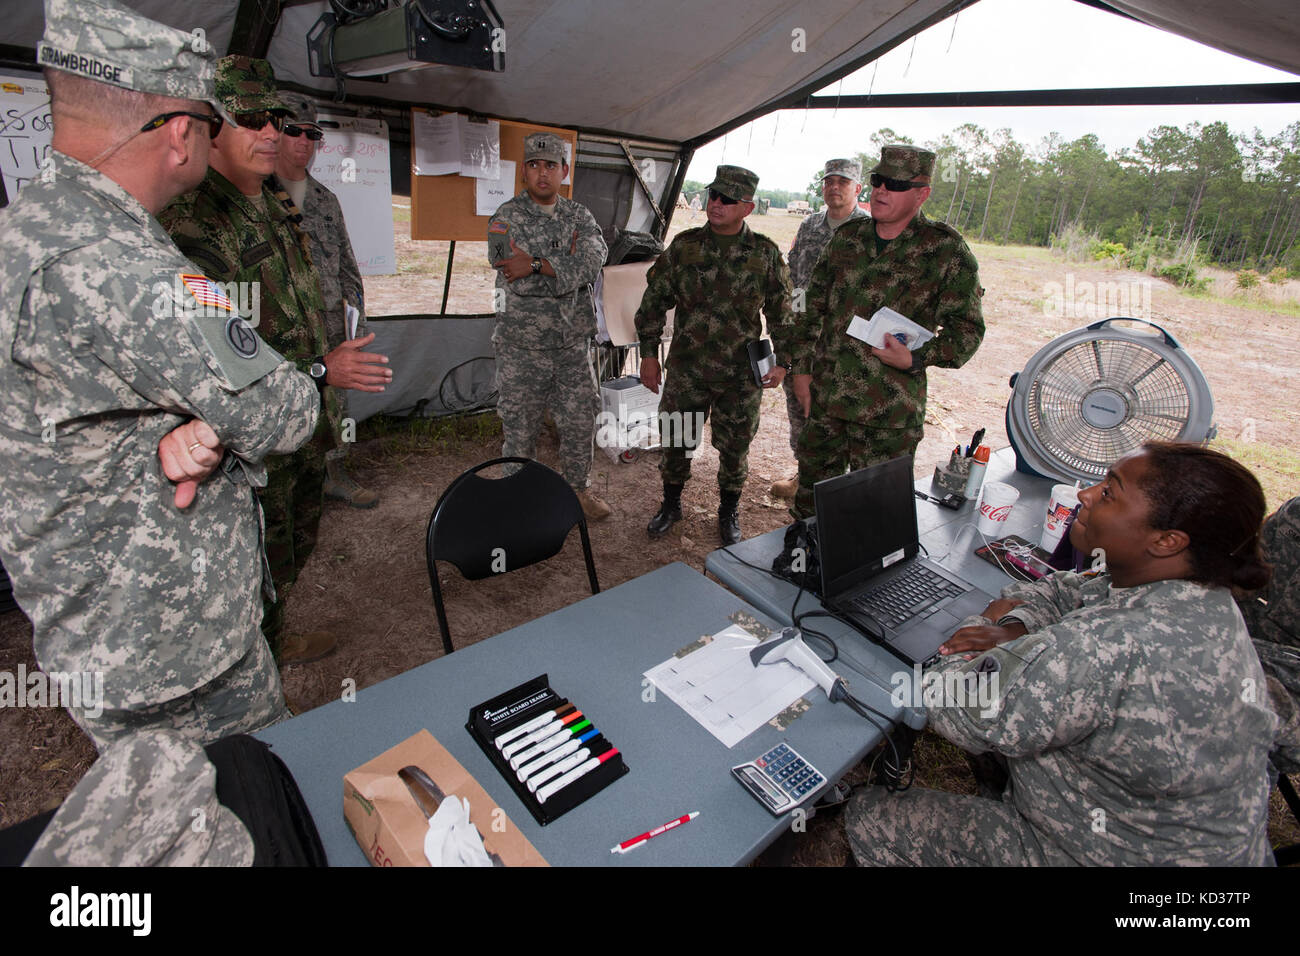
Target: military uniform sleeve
{"x":776,"y":307}
{"x":1042,"y":691}
{"x":354,"y":289}
{"x":578,"y":268}
{"x":1047,"y":600}
{"x":801,"y":340}
{"x":958,"y":311}
{"x":175,"y":361}
{"x":803,"y":254}
{"x":660,"y":296}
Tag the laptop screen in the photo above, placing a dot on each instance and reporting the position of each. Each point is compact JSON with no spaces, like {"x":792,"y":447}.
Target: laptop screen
{"x":866,"y":522}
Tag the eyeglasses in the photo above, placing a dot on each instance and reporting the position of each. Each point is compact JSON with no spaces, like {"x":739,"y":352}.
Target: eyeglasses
{"x":257,"y":120}
{"x":212,"y":119}
{"x":311,"y":132}
{"x":894,"y":185}
{"x":714,"y":195}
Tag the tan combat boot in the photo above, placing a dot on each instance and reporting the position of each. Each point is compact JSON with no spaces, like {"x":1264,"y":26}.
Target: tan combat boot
{"x":786,"y":488}
{"x":593,"y":507}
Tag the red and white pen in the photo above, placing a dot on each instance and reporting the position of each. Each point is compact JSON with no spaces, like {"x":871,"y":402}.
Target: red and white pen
{"x":636,"y":841}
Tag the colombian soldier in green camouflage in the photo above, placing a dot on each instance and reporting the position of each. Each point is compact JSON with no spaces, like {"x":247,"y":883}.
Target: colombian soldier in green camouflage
{"x":868,"y":404}
{"x":841,"y":182}
{"x":123,"y":371}
{"x":547,"y":251}
{"x":321,"y":217}
{"x":1273,"y":618}
{"x":236,"y":231}
{"x":1129,"y":704}
{"x":138,"y":805}
{"x":718,"y":277}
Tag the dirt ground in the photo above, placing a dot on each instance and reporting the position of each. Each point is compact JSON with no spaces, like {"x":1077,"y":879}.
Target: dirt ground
{"x":367,"y":580}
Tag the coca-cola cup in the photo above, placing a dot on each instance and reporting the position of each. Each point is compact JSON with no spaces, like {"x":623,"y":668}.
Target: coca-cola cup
{"x":1059,"y":508}
{"x":996,"y":502}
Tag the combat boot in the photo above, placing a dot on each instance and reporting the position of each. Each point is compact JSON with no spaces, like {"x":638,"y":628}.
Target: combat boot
{"x":340,"y":486}
{"x":670,"y":512}
{"x":729,"y":518}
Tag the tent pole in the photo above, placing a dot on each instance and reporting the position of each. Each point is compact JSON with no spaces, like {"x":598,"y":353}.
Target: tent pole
{"x":446,"y":283}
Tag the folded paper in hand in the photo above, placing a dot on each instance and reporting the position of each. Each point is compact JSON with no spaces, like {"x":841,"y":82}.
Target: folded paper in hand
{"x":888,"y":322}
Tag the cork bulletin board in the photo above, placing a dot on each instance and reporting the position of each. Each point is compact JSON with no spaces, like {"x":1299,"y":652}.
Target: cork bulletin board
{"x":442,"y":207}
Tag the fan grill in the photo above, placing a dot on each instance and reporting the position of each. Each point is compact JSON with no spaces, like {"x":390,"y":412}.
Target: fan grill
{"x":1152,"y":394}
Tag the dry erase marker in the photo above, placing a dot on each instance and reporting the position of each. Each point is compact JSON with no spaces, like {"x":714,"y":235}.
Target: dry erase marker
{"x":552,"y":756}
{"x":636,"y":841}
{"x":531,"y":725}
{"x":540,"y":734}
{"x":550,"y":743}
{"x":551,"y":789}
{"x":563,"y":767}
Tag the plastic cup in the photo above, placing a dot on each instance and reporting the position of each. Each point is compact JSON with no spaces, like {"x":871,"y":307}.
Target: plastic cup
{"x":1059,"y":507}
{"x":995,"y":506}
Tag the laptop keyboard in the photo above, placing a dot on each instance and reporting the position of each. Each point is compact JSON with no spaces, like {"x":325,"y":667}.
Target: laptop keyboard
{"x":916,"y":592}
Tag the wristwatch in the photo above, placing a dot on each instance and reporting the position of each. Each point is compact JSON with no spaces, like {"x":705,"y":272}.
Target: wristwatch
{"x":788,"y":366}
{"x":537,"y":264}
{"x":318,"y":371}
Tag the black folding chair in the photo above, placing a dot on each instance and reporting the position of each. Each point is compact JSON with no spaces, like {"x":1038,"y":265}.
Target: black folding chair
{"x":489,"y":526}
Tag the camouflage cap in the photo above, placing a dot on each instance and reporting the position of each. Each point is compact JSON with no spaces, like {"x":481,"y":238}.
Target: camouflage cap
{"x":546,"y":146}
{"x":905,"y":162}
{"x":138,"y":805}
{"x":301,"y":110}
{"x":103,"y":40}
{"x":735,"y":182}
{"x":246,"y":85}
{"x":848,"y":168}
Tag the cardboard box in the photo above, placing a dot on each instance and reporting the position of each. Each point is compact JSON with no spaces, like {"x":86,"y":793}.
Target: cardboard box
{"x":389,"y":825}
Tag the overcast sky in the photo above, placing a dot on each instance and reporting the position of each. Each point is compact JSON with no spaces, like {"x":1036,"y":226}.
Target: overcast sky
{"x":1004,"y":45}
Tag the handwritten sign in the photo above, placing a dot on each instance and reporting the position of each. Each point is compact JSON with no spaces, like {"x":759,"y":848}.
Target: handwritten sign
{"x":25,"y":131}
{"x":353,"y":163}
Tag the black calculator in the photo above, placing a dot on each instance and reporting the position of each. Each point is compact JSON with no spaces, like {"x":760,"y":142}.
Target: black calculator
{"x":780,"y":779}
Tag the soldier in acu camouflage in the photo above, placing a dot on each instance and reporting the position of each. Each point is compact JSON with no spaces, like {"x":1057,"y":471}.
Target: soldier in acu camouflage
{"x":841,"y":181}
{"x":123,"y":372}
{"x":235,"y":229}
{"x":868,"y":404}
{"x":1273,"y":617}
{"x":718,"y":277}
{"x":321,"y":217}
{"x":547,"y":251}
{"x":1129,"y":704}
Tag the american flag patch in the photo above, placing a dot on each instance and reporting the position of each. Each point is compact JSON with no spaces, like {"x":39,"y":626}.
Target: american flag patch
{"x":208,"y":294}
{"x":499,"y":228}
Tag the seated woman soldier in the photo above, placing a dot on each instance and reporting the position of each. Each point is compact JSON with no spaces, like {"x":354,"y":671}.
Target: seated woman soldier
{"x":1128,"y":703}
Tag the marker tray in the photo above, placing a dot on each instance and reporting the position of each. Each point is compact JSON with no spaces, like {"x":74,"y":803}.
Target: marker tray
{"x":492,"y":718}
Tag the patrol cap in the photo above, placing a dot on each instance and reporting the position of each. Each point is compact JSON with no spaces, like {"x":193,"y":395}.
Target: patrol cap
{"x":848,"y":168}
{"x":301,"y":110}
{"x":245,"y":85}
{"x":545,"y":146}
{"x":104,"y":41}
{"x":905,"y":162}
{"x":735,"y":182}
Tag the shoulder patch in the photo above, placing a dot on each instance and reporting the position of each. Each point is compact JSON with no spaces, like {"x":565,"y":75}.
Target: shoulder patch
{"x":205,"y":292}
{"x":944,"y":227}
{"x":498,"y":227}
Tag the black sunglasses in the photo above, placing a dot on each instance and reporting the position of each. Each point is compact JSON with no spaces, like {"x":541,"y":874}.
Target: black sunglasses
{"x":725,"y":200}
{"x":311,"y":132}
{"x":212,"y":119}
{"x":257,"y":120}
{"x":894,"y":185}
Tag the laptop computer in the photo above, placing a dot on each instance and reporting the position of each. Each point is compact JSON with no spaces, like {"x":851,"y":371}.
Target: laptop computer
{"x":871,"y":571}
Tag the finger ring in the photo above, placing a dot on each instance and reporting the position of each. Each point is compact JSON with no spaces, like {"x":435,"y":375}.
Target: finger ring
{"x":197,"y":444}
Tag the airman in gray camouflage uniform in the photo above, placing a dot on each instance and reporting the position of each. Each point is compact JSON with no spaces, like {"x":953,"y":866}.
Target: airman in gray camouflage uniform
{"x":868,"y":404}
{"x":139,"y":804}
{"x":841,"y":181}
{"x":235,"y":229}
{"x":547,"y":251}
{"x":321,"y":217}
{"x":718,"y":277}
{"x":1129,"y":704}
{"x":1273,"y":618}
{"x":108,"y":363}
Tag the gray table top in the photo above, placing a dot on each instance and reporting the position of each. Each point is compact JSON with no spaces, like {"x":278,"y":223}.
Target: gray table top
{"x":595,"y":653}
{"x":948,"y":535}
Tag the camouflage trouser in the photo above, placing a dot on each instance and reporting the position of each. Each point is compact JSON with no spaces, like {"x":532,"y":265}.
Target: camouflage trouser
{"x":920,"y":827}
{"x":732,"y":408}
{"x":531,"y":381}
{"x":292,"y":501}
{"x":245,"y":698}
{"x":828,"y":447}
{"x":1281,"y":664}
{"x":793,"y":409}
